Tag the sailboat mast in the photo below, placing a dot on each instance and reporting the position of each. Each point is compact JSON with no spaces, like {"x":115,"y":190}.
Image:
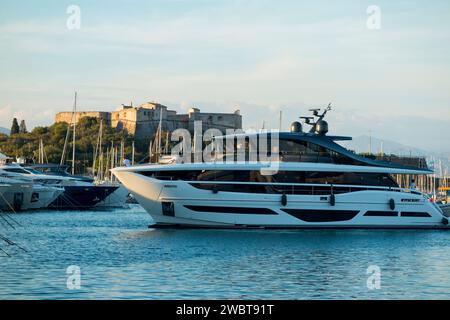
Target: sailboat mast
{"x":167,"y":143}
{"x":105,"y":174}
{"x":97,"y":151}
{"x":122,"y":152}
{"x":112,"y":160}
{"x":132,"y":154}
{"x":66,"y":140}
{"x":40,"y":152}
{"x":280,"y":121}
{"x":74,"y":133}
{"x":101,"y":142}
{"x":159,"y":134}
{"x":150,"y":152}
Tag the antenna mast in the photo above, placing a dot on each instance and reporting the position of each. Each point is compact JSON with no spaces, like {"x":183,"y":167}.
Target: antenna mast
{"x":310,"y":120}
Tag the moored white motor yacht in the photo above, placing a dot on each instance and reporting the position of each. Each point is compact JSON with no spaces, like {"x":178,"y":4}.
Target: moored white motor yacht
{"x":13,"y":194}
{"x":70,"y":192}
{"x":18,"y":195}
{"x":314,"y":183}
{"x":41,"y":195}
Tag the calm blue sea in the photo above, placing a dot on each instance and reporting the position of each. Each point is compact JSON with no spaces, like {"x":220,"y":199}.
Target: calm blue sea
{"x":120,"y":258}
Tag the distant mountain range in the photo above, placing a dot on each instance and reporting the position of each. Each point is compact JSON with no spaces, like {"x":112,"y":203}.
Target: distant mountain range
{"x":363,"y":143}
{"x":440,"y":162}
{"x":4,"y":130}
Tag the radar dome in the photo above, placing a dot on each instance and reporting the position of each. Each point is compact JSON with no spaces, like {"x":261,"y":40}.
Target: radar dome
{"x":322,"y":127}
{"x":296,"y":127}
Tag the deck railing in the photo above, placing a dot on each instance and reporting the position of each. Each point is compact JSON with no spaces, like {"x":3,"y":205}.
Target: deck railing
{"x":293,"y":188}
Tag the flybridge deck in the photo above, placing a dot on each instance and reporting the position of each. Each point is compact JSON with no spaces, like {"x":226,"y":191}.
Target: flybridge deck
{"x":325,"y":149}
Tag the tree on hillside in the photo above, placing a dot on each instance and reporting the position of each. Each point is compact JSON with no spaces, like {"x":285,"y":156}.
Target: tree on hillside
{"x":23,"y":127}
{"x":15,"y":127}
{"x":53,"y":138}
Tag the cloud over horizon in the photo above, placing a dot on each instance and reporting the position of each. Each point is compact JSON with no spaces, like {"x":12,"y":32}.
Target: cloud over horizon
{"x":260,"y":55}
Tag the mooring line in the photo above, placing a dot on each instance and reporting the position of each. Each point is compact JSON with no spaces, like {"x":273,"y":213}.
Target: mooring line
{"x":5,"y":216}
{"x":6,"y":220}
{"x":12,"y":209}
{"x":7,"y":254}
{"x":12,"y":243}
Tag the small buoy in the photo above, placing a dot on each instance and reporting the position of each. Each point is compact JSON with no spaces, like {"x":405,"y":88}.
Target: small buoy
{"x":284,"y":199}
{"x":333,"y":200}
{"x":392,"y":204}
{"x":444,"y":221}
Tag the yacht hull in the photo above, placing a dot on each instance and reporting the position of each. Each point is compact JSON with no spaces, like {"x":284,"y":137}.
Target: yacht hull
{"x":41,"y":197}
{"x":16,"y":197}
{"x":117,"y":199}
{"x":82,"y":197}
{"x":180,"y":204}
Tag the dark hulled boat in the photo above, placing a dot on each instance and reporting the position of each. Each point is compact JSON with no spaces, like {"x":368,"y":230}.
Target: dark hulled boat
{"x":82,"y":197}
{"x":79,"y":192}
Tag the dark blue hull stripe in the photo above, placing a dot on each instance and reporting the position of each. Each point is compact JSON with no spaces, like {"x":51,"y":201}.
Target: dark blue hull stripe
{"x":231,"y":210}
{"x":308,"y":215}
{"x":80,"y":197}
{"x":381,"y":214}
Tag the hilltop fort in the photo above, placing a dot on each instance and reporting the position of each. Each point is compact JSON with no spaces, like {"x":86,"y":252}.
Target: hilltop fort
{"x":143,"y":121}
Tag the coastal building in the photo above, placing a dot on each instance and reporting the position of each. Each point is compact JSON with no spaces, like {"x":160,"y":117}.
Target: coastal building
{"x":143,"y":121}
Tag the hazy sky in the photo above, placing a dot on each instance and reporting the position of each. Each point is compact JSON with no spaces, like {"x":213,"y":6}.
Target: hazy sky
{"x":259,"y":55}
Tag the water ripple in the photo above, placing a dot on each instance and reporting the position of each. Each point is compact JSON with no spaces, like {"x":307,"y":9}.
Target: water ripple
{"x":121,"y":259}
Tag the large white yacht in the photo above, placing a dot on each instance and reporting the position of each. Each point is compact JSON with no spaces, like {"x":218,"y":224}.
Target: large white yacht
{"x":314,"y":183}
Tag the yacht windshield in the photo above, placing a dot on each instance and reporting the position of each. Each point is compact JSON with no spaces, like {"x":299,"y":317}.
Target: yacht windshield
{"x":16,"y":170}
{"x":33,"y":171}
{"x":288,"y":151}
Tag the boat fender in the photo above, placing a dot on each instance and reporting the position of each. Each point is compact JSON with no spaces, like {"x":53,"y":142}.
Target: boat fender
{"x":333,"y":200}
{"x":215,"y":189}
{"x":284,"y":200}
{"x":392,"y":204}
{"x":444,"y":221}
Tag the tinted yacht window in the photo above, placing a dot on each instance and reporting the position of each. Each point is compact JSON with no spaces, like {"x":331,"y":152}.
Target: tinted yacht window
{"x":346,"y":178}
{"x":335,"y":178}
{"x":349,"y":178}
{"x":303,"y":151}
{"x":224,"y":175}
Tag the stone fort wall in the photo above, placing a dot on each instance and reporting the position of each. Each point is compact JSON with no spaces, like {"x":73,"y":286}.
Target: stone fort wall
{"x":143,"y":121}
{"x":67,"y":116}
